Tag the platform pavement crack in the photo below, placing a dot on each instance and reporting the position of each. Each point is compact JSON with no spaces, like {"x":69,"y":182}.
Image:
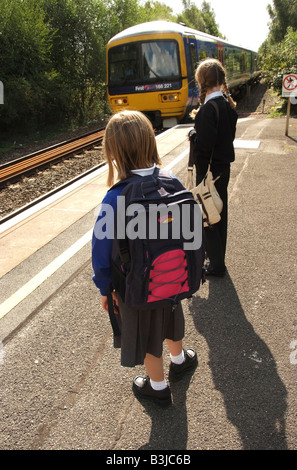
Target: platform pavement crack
{"x":72,"y":395}
{"x":122,"y":420}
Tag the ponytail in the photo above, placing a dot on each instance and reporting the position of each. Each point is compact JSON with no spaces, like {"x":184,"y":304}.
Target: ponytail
{"x":228,"y":96}
{"x":202,"y":96}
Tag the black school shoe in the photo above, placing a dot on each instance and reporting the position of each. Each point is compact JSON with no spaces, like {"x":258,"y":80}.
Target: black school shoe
{"x":142,"y":389}
{"x":177,"y":371}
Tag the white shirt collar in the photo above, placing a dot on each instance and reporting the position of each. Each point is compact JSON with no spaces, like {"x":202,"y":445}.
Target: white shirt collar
{"x":144,"y":171}
{"x":213,"y":95}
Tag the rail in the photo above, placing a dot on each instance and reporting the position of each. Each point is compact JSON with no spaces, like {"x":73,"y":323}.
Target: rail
{"x":37,"y":159}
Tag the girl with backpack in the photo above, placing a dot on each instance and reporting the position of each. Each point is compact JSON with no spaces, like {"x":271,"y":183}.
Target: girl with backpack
{"x":213,"y":136}
{"x":130,"y":149}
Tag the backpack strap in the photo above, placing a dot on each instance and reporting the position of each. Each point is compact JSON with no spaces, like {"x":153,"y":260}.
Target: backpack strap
{"x":124,"y":253}
{"x":112,"y":316}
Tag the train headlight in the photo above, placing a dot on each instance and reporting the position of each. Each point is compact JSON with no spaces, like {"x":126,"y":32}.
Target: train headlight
{"x":170,"y":97}
{"x":120,"y":101}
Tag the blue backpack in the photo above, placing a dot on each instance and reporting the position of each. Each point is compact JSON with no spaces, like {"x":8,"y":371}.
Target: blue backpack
{"x":158,"y":249}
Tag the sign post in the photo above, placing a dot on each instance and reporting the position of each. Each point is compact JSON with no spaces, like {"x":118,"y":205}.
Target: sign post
{"x":289,"y":89}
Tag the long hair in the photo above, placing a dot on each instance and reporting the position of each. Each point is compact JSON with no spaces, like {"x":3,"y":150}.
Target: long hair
{"x":129,"y":144}
{"x":210,"y":73}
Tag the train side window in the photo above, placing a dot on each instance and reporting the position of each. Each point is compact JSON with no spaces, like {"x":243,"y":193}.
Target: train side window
{"x":202,"y":55}
{"x":220,"y":53}
{"x":248,"y":62}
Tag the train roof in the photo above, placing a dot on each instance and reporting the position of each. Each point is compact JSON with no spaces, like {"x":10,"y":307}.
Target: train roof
{"x":167,"y":27}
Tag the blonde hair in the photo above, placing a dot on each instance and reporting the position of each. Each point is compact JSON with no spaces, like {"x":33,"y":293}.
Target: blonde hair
{"x":210,"y":73}
{"x":129,"y":144}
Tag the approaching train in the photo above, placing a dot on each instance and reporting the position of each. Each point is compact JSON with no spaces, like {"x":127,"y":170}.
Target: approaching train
{"x":151,"y":68}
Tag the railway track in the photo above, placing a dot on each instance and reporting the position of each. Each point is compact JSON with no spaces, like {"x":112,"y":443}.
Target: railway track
{"x":24,"y":164}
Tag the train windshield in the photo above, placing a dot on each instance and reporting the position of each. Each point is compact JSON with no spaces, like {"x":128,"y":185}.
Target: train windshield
{"x":142,"y":62}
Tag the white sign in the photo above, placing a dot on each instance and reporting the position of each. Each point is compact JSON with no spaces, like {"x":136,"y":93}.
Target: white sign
{"x":289,"y":87}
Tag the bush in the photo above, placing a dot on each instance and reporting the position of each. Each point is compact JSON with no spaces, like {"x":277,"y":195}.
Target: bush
{"x":279,"y":59}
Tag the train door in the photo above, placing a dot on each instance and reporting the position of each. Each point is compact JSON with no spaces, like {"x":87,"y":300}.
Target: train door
{"x":221,"y":53}
{"x":192,"y":61}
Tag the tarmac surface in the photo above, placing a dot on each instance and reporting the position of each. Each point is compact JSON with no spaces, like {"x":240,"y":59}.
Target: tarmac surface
{"x":61,"y":383}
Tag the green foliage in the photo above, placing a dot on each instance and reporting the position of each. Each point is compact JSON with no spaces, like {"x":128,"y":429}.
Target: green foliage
{"x":77,"y":54}
{"x":24,"y":51}
{"x":283,"y":14}
{"x":209,"y":20}
{"x":278,"y":54}
{"x":153,"y":11}
{"x":279,"y":59}
{"x":202,"y":20}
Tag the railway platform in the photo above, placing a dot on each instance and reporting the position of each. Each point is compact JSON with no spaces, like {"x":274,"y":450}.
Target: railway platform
{"x":62,"y":386}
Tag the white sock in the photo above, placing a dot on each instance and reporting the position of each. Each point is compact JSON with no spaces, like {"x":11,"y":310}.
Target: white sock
{"x":158,"y":385}
{"x":178,"y":359}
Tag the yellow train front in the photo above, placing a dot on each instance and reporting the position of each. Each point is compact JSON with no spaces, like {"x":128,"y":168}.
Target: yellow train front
{"x":151,"y":67}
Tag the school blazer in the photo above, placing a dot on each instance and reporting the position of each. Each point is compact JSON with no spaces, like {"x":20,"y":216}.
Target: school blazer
{"x":210,"y":135}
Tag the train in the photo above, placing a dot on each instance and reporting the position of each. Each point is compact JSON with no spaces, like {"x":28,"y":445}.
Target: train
{"x":151,"y":68}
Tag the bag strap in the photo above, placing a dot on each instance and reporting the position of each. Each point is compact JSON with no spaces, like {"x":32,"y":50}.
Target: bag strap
{"x":112,"y":316}
{"x":124,"y":253}
{"x":215,"y":105}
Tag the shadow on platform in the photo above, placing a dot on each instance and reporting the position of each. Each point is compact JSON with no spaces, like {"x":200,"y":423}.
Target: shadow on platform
{"x":243,"y":368}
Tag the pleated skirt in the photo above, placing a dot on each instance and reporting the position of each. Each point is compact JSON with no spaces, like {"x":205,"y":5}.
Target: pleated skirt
{"x":144,"y":331}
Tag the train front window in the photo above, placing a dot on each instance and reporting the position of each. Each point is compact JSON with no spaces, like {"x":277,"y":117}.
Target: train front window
{"x":123,"y":64}
{"x":160,"y":60}
{"x":141,"y":62}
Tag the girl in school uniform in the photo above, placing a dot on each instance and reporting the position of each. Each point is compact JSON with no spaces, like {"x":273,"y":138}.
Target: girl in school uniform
{"x":213,"y":136}
{"x":130,"y":148}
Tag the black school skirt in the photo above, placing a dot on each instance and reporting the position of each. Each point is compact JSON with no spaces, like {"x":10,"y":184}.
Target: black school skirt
{"x":144,"y":331}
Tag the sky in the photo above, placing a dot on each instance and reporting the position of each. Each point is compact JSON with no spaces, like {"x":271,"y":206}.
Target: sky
{"x":242,"y":22}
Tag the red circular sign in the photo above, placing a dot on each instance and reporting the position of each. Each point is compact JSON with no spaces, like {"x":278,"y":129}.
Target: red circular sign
{"x":290,"y":82}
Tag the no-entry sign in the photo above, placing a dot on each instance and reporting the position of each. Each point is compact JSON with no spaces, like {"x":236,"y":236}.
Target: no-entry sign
{"x":289,"y":90}
{"x":289,"y":85}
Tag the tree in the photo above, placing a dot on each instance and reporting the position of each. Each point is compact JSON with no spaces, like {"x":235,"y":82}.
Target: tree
{"x":24,"y":65}
{"x":192,"y":16}
{"x":283,"y":14}
{"x":152,"y":11}
{"x":209,"y":20}
{"x":121,"y":14}
{"x":279,"y":59}
{"x":202,"y":20}
{"x":77,"y":56}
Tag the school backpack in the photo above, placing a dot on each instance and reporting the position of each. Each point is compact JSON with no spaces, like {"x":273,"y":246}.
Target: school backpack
{"x":158,"y":249}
